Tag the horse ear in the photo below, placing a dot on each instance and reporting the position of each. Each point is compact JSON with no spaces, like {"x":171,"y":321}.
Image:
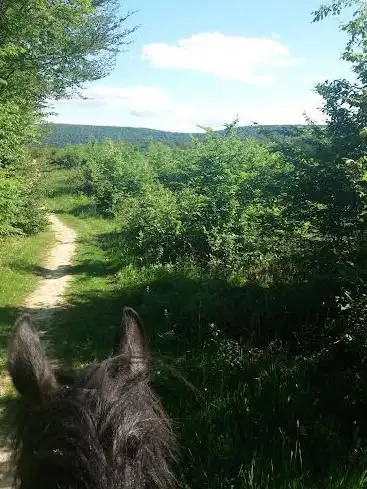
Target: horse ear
{"x":131,"y":341}
{"x":28,"y":366}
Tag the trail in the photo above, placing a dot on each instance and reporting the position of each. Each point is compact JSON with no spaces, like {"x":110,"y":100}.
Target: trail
{"x":54,"y":277}
{"x":55,"y":273}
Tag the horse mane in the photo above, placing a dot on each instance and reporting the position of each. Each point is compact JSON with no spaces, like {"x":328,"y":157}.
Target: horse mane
{"x":102,"y":427}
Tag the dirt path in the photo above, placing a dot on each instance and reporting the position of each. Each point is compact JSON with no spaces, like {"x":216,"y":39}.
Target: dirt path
{"x":55,"y":272}
{"x":55,"y":275}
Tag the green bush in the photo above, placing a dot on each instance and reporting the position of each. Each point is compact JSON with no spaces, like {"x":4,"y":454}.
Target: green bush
{"x":232,"y":205}
{"x":68,"y":157}
{"x":21,"y":203}
{"x":223,"y":203}
{"x":114,"y":172}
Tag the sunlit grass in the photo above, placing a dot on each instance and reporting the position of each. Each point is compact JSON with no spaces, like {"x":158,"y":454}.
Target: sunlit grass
{"x":19,"y":256}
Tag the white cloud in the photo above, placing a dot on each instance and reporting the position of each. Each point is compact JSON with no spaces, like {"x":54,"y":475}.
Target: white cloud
{"x":237,"y":58}
{"x":138,"y":98}
{"x":150,"y":106}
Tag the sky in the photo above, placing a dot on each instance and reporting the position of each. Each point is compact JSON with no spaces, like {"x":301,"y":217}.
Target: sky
{"x":204,"y":62}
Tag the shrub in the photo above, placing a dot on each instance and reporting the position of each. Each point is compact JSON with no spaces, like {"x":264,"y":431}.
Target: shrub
{"x":227,"y":200}
{"x":68,"y":157}
{"x":114,"y":172}
{"x":21,"y":204}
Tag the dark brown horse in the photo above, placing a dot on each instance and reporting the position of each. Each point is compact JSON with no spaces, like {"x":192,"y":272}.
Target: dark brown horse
{"x":100,"y":427}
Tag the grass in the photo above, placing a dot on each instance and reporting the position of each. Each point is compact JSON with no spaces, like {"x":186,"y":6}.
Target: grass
{"x":75,"y":328}
{"x":19,"y":258}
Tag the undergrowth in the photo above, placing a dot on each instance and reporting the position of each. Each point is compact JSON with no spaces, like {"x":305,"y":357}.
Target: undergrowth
{"x":260,"y":397}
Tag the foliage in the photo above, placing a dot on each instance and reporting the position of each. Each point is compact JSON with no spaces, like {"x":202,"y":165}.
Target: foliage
{"x":47,"y":51}
{"x":225,"y":202}
{"x":21,"y":210}
{"x":18,"y":126}
{"x":68,"y":157}
{"x":114,"y":172}
{"x":63,"y":134}
{"x":345,"y":100}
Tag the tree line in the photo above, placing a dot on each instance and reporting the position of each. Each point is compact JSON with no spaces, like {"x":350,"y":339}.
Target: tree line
{"x":60,"y":135}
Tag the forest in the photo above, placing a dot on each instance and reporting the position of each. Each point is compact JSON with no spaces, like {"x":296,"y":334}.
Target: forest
{"x":63,"y":134}
{"x":243,"y":250}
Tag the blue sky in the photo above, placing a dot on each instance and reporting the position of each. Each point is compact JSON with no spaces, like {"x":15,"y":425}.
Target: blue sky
{"x":204,"y":62}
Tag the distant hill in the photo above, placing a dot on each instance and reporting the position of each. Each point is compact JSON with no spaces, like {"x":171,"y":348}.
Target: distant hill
{"x":63,"y":134}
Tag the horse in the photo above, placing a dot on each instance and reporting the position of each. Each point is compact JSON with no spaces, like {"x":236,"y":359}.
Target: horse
{"x":96,"y":427}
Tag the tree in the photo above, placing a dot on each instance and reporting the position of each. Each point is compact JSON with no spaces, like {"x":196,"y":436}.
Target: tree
{"x":330,"y":188}
{"x":48,"y":50}
{"x":50,"y":47}
{"x":346,"y":101}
